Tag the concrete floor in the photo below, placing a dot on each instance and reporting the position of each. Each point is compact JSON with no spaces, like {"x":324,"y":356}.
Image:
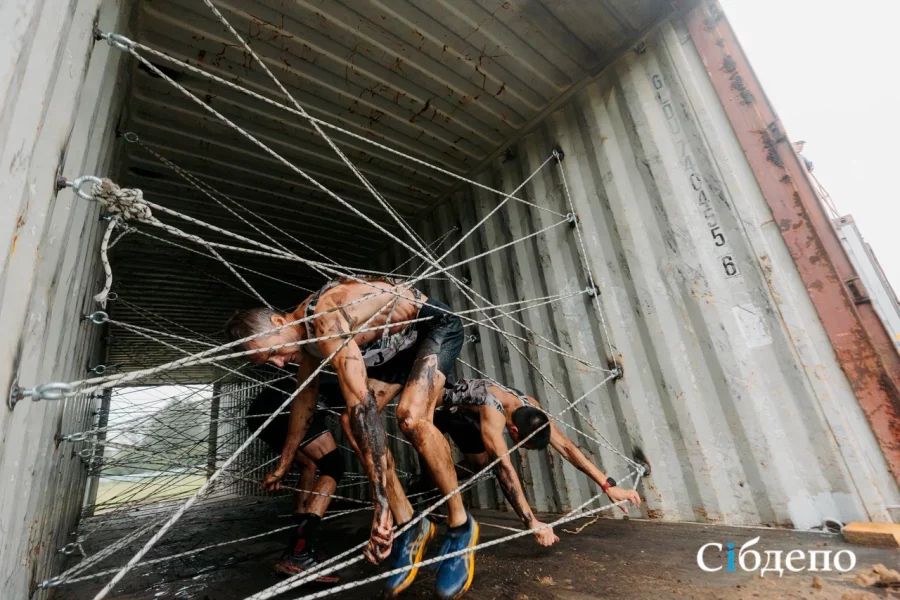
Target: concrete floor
{"x":608,"y":559}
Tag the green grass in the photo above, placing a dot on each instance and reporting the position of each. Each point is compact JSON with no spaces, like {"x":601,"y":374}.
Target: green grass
{"x":169,"y":487}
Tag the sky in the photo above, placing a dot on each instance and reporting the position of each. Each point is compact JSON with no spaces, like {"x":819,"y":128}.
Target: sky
{"x":830,"y":69}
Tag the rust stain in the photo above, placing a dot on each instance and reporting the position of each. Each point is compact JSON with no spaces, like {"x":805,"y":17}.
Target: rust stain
{"x":20,"y":221}
{"x":863,"y":348}
{"x":654,"y":514}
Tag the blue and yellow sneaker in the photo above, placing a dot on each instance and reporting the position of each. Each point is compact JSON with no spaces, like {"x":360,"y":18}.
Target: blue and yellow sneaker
{"x":408,"y":549}
{"x":455,"y":574}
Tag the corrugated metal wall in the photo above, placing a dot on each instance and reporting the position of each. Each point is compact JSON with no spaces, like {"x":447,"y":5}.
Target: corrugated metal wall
{"x":61,"y":98}
{"x":731,"y":387}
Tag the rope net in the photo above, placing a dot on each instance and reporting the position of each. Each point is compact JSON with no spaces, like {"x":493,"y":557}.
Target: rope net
{"x":167,"y":449}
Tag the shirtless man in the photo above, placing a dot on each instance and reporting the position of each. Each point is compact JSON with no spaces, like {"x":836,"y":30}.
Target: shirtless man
{"x":317,"y":451}
{"x":474,"y":414}
{"x":364,"y":324}
{"x":476,"y":411}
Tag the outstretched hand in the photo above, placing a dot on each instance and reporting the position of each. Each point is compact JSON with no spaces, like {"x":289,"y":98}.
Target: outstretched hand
{"x":617,"y":494}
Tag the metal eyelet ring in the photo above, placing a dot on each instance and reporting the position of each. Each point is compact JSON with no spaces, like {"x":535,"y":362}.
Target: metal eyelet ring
{"x":50,"y":391}
{"x":131,"y":137}
{"x":98,"y":370}
{"x":112,"y":297}
{"x":76,"y":437}
{"x":98,"y":318}
{"x":119,"y":41}
{"x":52,"y":582}
{"x":77,"y":184}
{"x":69,"y":548}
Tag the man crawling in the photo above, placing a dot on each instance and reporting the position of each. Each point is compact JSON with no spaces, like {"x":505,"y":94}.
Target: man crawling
{"x":474,"y":414}
{"x":360,"y":325}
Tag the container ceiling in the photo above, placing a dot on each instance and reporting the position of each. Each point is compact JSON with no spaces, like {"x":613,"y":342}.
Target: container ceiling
{"x":453,"y":82}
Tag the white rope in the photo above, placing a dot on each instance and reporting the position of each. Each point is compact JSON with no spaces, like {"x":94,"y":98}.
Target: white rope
{"x":326,"y":567}
{"x":101,"y":297}
{"x":109,"y":550}
{"x":212,"y":194}
{"x":130,"y":204}
{"x":130,"y":47}
{"x":586,"y":264}
{"x":306,"y":577}
{"x":434,"y":268}
{"x":199,"y":493}
{"x":362,"y":178}
{"x":269,"y":101}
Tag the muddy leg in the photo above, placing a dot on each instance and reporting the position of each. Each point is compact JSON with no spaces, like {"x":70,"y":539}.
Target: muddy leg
{"x":414,"y":414}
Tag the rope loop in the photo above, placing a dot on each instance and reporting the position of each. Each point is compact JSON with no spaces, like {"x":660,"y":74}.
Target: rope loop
{"x":128,"y":202}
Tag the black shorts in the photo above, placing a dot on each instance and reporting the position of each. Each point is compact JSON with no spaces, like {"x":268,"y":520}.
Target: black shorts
{"x":462,"y":427}
{"x":441,"y":335}
{"x":397,"y":369}
{"x":276,"y":433}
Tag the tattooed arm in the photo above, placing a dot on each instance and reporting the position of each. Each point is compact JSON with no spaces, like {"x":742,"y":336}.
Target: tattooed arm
{"x":366,"y":425}
{"x":303,"y":408}
{"x":492,"y":425}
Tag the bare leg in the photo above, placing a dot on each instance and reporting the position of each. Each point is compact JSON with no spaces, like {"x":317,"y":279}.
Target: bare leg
{"x":307,"y":480}
{"x":319,"y":447}
{"x":414,"y":414}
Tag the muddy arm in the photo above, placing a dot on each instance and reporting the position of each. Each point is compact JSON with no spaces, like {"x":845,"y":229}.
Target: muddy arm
{"x":492,"y":424}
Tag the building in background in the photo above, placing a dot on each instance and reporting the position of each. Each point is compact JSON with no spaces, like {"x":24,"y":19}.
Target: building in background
{"x":875,"y":286}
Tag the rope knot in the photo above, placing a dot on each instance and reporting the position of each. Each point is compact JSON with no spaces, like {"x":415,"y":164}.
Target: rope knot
{"x":128,"y":202}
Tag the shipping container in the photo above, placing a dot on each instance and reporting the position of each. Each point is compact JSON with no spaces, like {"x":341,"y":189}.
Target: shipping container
{"x":658,"y":206}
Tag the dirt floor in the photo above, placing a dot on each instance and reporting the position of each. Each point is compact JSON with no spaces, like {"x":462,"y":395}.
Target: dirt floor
{"x":608,"y":559}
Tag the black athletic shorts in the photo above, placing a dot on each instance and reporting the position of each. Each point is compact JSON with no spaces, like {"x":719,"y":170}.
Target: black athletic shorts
{"x":463,"y":428}
{"x":276,"y":433}
{"x":397,"y":369}
{"x":441,"y":335}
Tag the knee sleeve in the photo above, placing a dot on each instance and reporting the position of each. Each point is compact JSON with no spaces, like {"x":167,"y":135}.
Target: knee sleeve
{"x":332,"y":465}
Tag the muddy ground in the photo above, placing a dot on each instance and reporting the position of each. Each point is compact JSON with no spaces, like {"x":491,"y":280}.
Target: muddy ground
{"x":608,"y":559}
